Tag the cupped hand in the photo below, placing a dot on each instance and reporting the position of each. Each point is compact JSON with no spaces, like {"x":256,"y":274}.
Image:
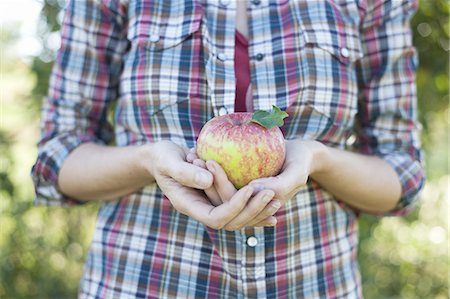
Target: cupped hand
{"x":183,"y":184}
{"x":259,"y":210}
{"x":299,"y":164}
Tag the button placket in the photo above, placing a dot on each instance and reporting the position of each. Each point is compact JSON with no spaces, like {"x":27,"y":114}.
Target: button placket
{"x":260,"y":47}
{"x":220,"y":63}
{"x":253,"y":258}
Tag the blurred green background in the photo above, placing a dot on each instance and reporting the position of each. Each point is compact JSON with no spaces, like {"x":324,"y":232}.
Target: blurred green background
{"x":42,"y":249}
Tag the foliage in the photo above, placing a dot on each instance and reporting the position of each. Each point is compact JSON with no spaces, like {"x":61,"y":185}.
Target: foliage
{"x":6,"y":162}
{"x":407,"y":257}
{"x":42,"y":249}
{"x":50,"y":23}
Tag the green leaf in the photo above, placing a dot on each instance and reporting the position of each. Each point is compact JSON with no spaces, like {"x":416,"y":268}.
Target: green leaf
{"x":269,"y":119}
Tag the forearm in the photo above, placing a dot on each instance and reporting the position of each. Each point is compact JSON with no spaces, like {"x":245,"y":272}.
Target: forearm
{"x":365,"y":182}
{"x":96,"y":172}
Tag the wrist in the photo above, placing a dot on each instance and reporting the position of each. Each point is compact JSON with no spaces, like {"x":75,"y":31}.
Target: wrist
{"x":144,"y":161}
{"x":320,"y":158}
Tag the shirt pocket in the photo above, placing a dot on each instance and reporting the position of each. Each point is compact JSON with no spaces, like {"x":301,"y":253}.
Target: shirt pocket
{"x":168,"y":33}
{"x":159,"y":68}
{"x":330,"y":33}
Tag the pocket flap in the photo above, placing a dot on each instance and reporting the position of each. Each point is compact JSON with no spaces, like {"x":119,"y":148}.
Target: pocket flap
{"x":165,"y":27}
{"x":166,"y":35}
{"x":325,"y":25}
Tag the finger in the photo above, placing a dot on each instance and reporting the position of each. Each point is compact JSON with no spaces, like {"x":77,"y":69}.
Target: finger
{"x":193,"y":151}
{"x":273,"y":183}
{"x":199,"y":163}
{"x":268,"y":211}
{"x":189,"y":202}
{"x":213,"y":196}
{"x":189,"y":175}
{"x":256,"y":205}
{"x":223,"y":186}
{"x":192,"y":154}
{"x":190,"y":157}
{"x":211,"y":192}
{"x":289,"y":180}
{"x":185,"y":150}
{"x":218,"y":217}
{"x":178,"y":194}
{"x":183,"y":198}
{"x":269,"y":221}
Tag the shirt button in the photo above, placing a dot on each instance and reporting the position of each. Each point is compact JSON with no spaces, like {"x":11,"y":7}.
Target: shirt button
{"x":222,"y":56}
{"x":225,"y":2}
{"x":256,"y":2}
{"x":259,"y":56}
{"x":252,"y":241}
{"x":223,"y":111}
{"x":345,"y":52}
{"x":154,"y":38}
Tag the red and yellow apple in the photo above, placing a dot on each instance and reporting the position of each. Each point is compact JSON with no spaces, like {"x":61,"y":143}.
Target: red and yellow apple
{"x":244,"y":148}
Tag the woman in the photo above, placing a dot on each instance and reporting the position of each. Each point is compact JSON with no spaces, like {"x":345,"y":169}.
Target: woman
{"x":170,"y":225}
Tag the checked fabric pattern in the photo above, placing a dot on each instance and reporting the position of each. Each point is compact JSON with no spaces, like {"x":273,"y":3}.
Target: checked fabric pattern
{"x":343,"y":70}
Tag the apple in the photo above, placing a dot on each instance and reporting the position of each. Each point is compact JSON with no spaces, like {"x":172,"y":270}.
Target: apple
{"x":246,"y":145}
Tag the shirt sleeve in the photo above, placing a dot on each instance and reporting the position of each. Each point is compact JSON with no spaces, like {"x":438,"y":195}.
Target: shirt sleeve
{"x":387,"y":123}
{"x":83,"y":85}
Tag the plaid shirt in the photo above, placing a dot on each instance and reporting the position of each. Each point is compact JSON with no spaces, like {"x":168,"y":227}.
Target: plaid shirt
{"x":344,"y":70}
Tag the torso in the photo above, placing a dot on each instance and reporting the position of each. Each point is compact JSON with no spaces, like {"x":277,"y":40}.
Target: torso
{"x":176,"y":76}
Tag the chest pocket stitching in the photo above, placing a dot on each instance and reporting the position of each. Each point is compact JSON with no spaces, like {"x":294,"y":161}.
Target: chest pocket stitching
{"x":336,"y":34}
{"x":170,"y":35}
{"x":164,"y":29}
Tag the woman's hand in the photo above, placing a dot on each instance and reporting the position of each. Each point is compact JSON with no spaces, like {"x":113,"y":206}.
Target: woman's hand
{"x":302,"y":159}
{"x":183,"y":184}
{"x":365,"y":183}
{"x":258,"y":213}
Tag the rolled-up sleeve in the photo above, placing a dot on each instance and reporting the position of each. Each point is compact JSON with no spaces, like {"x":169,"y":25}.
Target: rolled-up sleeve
{"x":83,"y":85}
{"x":387,"y":123}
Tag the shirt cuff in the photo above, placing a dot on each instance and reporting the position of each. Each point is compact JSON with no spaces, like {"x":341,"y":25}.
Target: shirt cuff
{"x":51,"y":156}
{"x":412,"y":178}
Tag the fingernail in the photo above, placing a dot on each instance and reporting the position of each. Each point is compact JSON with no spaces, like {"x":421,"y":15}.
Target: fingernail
{"x":249,"y":191}
{"x":276,"y":204}
{"x":201,"y":179}
{"x":272,"y":222}
{"x":257,"y":187}
{"x":267,"y":197}
{"x":211,"y":167}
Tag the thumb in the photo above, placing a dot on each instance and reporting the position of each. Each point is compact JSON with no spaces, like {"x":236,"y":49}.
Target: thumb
{"x":191,"y":175}
{"x":270,"y":183}
{"x":288,"y":180}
